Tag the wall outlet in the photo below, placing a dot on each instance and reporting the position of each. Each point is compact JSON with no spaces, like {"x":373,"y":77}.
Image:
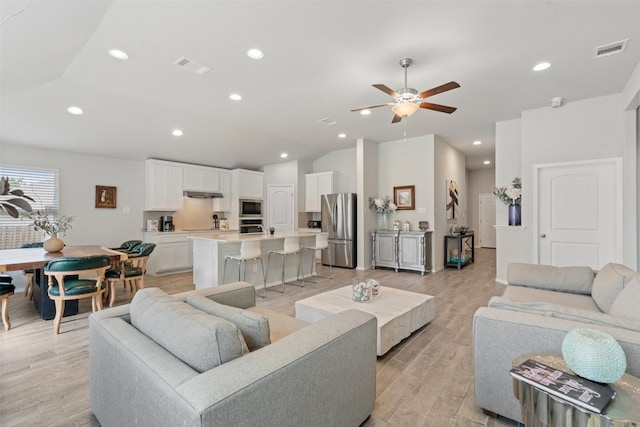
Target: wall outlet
{"x":126,"y":210}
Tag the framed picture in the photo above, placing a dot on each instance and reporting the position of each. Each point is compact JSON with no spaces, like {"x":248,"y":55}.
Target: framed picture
{"x":405,"y":197}
{"x":105,"y":196}
{"x":452,"y":199}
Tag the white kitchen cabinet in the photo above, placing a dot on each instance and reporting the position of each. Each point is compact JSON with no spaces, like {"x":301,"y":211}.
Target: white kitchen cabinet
{"x":201,"y":178}
{"x":172,"y":252}
{"x":317,"y":184}
{"x":248,"y":184}
{"x":402,"y":250}
{"x":163,"y":186}
{"x":223,"y":204}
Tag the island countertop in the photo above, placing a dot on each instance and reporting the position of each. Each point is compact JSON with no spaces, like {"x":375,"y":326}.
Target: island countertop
{"x":239,"y":237}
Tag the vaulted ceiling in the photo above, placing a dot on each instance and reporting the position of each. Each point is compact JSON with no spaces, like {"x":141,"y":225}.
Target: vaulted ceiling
{"x":320,"y":60}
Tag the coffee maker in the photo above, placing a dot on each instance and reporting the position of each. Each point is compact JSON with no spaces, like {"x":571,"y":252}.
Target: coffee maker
{"x":166,"y":223}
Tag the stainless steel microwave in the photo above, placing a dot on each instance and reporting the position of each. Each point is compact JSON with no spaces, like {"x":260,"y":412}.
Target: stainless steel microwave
{"x":250,"y":208}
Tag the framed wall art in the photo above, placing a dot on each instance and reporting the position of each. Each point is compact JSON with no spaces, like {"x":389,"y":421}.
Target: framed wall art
{"x":106,"y":196}
{"x":405,"y":197}
{"x":452,"y":199}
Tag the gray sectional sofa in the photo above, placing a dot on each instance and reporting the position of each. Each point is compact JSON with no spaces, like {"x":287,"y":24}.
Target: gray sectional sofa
{"x":167,"y":361}
{"x":540,"y":305}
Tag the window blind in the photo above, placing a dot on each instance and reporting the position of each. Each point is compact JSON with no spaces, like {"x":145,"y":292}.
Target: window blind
{"x":39,"y":184}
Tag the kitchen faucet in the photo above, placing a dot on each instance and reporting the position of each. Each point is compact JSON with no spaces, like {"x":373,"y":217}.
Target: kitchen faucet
{"x":266,"y":231}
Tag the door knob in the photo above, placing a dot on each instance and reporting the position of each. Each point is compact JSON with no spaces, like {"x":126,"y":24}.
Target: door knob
{"x":543,"y":236}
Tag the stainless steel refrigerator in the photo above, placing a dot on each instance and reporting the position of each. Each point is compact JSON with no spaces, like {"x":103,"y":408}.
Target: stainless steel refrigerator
{"x":339,"y":221}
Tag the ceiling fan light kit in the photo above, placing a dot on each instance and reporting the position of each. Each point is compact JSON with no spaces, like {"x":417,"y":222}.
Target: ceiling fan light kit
{"x":408,"y":100}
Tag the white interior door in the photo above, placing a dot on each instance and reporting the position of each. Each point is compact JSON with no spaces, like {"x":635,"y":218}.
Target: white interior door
{"x":487,"y":220}
{"x":580,"y":213}
{"x":280,"y":207}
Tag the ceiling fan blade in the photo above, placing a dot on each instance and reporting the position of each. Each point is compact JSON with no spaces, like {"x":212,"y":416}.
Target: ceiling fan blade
{"x":396,"y":118}
{"x":372,"y":106}
{"x":387,"y":90}
{"x":436,"y":90}
{"x":438,"y":107}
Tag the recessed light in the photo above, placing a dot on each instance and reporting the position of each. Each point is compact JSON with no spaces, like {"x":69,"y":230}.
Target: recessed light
{"x":255,"y":53}
{"x":177,"y":132}
{"x":76,"y":111}
{"x":478,"y":142}
{"x":284,"y":155}
{"x":541,"y":66}
{"x":235,"y":97}
{"x":487,"y":162}
{"x":118,"y":54}
{"x":365,"y":112}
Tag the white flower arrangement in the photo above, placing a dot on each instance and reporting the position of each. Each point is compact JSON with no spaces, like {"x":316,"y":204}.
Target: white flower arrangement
{"x":382,"y":206}
{"x":511,"y":194}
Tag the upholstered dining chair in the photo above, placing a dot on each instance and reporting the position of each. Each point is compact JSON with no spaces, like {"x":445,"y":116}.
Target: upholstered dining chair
{"x":63,"y":288}
{"x":28,"y":274}
{"x":6,"y":290}
{"x":131,"y":272}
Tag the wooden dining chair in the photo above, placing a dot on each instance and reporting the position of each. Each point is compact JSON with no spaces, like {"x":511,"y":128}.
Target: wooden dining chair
{"x":6,"y":290}
{"x":131,"y":272}
{"x":64,"y":283}
{"x":28,"y":274}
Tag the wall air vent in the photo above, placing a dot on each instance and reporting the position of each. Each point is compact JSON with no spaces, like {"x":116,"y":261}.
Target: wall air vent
{"x":610,"y":49}
{"x":191,"y":65}
{"x":327,"y":121}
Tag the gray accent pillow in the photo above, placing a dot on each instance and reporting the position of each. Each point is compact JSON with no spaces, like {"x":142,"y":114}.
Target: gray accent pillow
{"x":254,"y":327}
{"x":577,"y":280}
{"x":609,"y":282}
{"x":627,"y":303}
{"x":198,"y":339}
{"x":561,"y":312}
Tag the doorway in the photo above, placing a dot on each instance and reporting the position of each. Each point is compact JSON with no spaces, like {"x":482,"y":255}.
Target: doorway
{"x":280,"y":207}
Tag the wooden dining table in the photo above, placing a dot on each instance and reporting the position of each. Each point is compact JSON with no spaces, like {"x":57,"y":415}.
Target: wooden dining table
{"x":37,"y":258}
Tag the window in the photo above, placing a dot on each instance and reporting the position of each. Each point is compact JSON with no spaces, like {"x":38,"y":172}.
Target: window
{"x":39,"y":184}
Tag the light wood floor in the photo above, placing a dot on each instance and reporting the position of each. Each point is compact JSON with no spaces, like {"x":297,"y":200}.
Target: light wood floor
{"x":424,"y":381}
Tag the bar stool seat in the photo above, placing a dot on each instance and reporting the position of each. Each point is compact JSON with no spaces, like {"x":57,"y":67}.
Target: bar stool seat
{"x":291,"y":247}
{"x":322,"y":243}
{"x":249,"y":251}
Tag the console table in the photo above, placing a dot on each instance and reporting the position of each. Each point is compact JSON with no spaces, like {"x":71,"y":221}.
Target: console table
{"x":540,"y":409}
{"x":460,"y":242}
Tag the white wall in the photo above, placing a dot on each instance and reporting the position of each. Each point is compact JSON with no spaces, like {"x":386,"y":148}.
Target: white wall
{"x":367,"y":185}
{"x":79,"y":175}
{"x":344,"y":163}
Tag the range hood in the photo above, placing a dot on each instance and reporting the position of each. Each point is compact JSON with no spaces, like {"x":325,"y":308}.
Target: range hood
{"x":202,"y":194}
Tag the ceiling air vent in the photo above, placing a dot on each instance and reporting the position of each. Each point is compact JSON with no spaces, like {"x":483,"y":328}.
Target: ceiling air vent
{"x":327,"y":121}
{"x":610,"y":49}
{"x":191,"y":65}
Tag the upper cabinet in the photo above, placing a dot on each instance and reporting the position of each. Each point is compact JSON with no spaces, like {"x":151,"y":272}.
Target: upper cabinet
{"x":318,"y":184}
{"x":201,"y":178}
{"x":224,"y":204}
{"x":163,"y":186}
{"x":248,"y":184}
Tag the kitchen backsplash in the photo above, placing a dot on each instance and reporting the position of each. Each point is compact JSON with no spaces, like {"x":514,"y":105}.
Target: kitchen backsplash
{"x":196,"y":214}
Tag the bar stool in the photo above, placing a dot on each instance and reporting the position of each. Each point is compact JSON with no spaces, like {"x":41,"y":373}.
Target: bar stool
{"x":322,"y":243}
{"x":291,"y":247}
{"x":249,"y":251}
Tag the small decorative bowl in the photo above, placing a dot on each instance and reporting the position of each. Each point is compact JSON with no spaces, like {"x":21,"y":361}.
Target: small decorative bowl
{"x":594,"y":355}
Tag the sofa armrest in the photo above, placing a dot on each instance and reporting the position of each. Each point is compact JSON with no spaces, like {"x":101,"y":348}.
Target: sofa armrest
{"x":499,"y":336}
{"x":238,"y":294}
{"x":578,"y":280}
{"x":324,"y":374}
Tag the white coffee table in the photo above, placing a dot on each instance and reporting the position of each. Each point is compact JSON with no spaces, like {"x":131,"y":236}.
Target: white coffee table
{"x":399,"y":312}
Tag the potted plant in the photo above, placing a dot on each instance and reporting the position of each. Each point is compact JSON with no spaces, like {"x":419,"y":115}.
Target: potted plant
{"x":51,"y":225}
{"x":12,"y":200}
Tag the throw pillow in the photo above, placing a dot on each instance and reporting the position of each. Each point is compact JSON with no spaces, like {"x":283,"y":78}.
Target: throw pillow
{"x":608,"y":283}
{"x":198,"y":339}
{"x":626,"y":304}
{"x":577,"y":280}
{"x":254,"y":327}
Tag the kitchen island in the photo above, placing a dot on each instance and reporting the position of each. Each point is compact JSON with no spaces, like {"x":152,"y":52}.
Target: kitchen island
{"x":210,"y":250}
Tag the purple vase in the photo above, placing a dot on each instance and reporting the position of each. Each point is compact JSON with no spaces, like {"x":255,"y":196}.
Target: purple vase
{"x":514,"y":214}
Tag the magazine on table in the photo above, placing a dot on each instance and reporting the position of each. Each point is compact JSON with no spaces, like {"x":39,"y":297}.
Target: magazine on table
{"x":582,"y":392}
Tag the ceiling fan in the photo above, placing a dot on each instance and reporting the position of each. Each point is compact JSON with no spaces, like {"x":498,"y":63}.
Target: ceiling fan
{"x":408,"y":100}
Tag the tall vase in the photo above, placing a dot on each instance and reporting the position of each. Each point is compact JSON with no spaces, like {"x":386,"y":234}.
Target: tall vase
{"x":514,"y":214}
{"x":382,"y":221}
{"x":53,"y":244}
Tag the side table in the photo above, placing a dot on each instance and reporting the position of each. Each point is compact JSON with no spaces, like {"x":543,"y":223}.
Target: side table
{"x":464,"y":244}
{"x":540,"y":409}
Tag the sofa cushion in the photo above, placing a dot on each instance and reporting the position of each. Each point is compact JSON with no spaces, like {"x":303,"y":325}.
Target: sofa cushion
{"x":608,"y":283}
{"x":562,"y":312}
{"x":564,"y":279}
{"x":523,"y":294}
{"x":280,"y":325}
{"x":626,"y":303}
{"x":198,"y":339}
{"x":253,"y":326}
